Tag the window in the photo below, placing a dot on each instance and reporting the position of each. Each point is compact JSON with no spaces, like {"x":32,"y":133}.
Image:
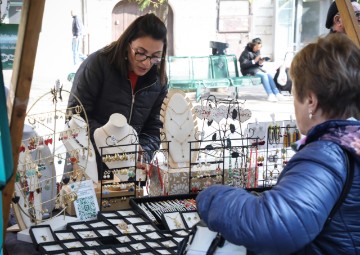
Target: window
{"x":233,"y":16}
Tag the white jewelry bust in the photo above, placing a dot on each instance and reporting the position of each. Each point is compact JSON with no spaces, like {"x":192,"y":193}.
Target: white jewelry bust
{"x":116,"y":137}
{"x":81,"y":143}
{"x":179,"y":127}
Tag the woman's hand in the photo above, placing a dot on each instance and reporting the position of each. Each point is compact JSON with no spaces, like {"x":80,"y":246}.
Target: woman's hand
{"x":259,"y":60}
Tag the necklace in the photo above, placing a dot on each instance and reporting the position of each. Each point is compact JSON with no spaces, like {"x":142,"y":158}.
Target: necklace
{"x":180,"y":134}
{"x":115,"y":141}
{"x":181,"y":130}
{"x":177,"y":110}
{"x":179,"y":119}
{"x":112,"y":137}
{"x":178,"y":224}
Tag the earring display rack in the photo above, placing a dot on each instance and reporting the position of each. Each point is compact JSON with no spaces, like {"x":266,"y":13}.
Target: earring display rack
{"x":118,"y":183}
{"x":230,"y":161}
{"x":123,"y":180}
{"x":275,"y":147}
{"x":279,"y":151}
{"x":42,"y":157}
{"x":225,"y":155}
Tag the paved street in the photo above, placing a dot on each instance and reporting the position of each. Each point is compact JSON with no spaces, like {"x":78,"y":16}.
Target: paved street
{"x":255,"y":99}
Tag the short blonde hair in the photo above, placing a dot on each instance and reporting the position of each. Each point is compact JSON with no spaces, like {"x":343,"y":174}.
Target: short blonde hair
{"x":330,"y":68}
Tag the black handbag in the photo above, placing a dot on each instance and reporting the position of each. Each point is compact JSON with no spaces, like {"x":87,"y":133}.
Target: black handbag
{"x":203,"y":241}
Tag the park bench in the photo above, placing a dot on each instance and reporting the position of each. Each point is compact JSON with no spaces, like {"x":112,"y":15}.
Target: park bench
{"x":195,"y":73}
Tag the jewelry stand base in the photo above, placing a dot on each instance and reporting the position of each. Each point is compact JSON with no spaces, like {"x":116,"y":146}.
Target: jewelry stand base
{"x":56,"y":223}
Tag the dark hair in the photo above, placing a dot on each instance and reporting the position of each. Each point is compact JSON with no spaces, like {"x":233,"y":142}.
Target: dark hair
{"x":146,"y":25}
{"x":329,"y":68}
{"x":254,"y":42}
{"x":332,"y":11}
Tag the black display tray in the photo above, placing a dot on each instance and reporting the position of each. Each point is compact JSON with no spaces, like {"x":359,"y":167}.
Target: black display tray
{"x":138,"y":203}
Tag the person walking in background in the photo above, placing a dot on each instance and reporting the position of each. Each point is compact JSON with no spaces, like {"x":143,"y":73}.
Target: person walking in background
{"x":77,"y":31}
{"x":313,"y":208}
{"x":251,"y":62}
{"x":333,"y":20}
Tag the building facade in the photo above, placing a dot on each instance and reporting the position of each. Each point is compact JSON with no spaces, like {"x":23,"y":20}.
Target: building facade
{"x":283,"y":25}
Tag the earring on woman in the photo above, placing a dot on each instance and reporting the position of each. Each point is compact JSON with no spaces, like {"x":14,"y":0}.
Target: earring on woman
{"x":310,"y":114}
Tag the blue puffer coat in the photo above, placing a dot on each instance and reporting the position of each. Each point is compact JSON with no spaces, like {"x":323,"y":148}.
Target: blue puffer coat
{"x":289,"y":218}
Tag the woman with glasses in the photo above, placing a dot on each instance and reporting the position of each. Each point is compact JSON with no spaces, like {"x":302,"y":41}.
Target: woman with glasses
{"x":127,"y":77}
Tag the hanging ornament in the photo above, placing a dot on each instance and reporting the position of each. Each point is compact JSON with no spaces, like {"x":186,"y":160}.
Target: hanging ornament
{"x":47,"y":185}
{"x":232,"y":128}
{"x":234,"y":114}
{"x":15,"y":199}
{"x":213,"y":137}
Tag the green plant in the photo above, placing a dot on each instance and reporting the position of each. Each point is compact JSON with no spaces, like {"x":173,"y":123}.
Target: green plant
{"x":143,"y":4}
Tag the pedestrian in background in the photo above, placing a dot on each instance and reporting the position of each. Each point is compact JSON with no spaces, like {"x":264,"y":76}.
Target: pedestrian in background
{"x":77,"y":32}
{"x":251,"y":63}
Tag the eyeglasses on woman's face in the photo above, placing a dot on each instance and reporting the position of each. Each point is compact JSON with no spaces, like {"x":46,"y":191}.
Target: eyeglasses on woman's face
{"x":140,"y":56}
{"x":357,"y":14}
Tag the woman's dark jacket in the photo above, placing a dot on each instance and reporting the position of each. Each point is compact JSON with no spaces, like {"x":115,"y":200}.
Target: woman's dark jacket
{"x":246,"y":65}
{"x":103,"y":91}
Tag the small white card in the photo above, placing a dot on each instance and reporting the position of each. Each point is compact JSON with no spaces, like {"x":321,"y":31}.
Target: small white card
{"x":86,"y":205}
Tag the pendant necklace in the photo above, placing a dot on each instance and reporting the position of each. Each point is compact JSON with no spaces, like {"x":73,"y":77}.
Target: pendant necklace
{"x":174,"y":116}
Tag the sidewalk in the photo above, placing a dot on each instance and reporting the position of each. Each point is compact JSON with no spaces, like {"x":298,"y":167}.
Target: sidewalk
{"x":255,"y":99}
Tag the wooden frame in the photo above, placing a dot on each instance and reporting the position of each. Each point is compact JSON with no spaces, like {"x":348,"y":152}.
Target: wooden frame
{"x":350,"y":22}
{"x":28,"y":37}
{"x":25,"y":53}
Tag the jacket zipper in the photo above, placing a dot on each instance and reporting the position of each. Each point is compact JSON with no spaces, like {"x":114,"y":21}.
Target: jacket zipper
{"x":133,"y":99}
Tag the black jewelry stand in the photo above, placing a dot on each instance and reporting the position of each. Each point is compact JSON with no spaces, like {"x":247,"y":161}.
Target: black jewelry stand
{"x":231,"y":173}
{"x":123,"y":183}
{"x":224,"y":146}
{"x":118,"y":192}
{"x":278,"y":150}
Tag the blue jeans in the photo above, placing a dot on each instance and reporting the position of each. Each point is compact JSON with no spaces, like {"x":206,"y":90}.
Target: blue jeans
{"x":75,"y":49}
{"x":268,"y":83}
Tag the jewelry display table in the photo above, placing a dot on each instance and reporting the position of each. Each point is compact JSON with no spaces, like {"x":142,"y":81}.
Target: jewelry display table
{"x":127,"y":231}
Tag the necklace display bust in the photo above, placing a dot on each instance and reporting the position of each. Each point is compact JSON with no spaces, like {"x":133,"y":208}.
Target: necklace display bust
{"x":79,"y":144}
{"x":116,"y":142}
{"x":179,"y":128}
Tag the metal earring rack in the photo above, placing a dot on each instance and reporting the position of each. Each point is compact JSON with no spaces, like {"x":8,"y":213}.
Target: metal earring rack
{"x":233,"y":152}
{"x":278,"y":150}
{"x":44,"y":152}
{"x":225,"y":145}
{"x":112,"y":188}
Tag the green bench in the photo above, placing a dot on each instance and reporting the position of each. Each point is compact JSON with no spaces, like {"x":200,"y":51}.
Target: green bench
{"x":216,"y":71}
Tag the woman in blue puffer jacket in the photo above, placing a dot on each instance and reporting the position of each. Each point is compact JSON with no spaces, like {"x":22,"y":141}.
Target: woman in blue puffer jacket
{"x":291,"y":218}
